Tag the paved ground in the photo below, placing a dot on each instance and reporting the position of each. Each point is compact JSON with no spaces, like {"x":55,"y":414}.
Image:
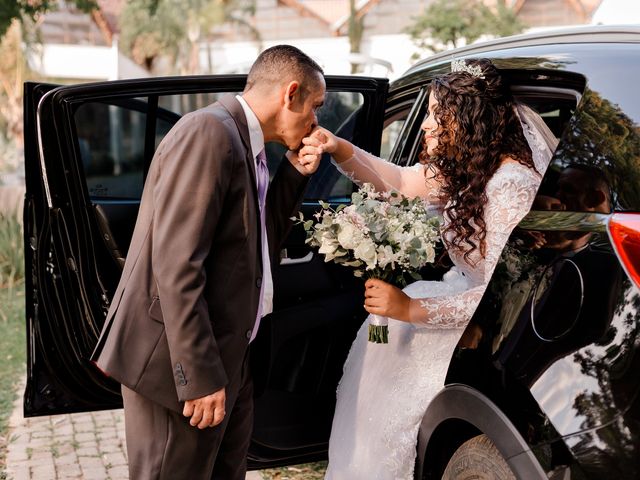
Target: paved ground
{"x":87,"y":446}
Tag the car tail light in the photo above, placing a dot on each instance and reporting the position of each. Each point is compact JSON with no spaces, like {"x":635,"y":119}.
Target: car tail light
{"x":624,"y":229}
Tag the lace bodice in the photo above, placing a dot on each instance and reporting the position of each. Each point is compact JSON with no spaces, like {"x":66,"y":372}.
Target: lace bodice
{"x":510,"y":193}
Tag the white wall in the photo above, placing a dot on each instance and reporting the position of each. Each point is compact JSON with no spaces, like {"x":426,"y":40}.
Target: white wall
{"x":86,"y":62}
{"x":389,"y":55}
{"x":617,"y":12}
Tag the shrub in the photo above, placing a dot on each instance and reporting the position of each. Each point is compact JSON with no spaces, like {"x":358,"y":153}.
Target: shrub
{"x":11,"y":251}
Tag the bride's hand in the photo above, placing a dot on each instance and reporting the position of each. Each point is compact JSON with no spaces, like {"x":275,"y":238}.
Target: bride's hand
{"x":323,"y":139}
{"x":382,"y":298}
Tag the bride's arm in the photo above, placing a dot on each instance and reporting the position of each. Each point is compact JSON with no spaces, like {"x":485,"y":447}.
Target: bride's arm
{"x":450,"y":311}
{"x":510,"y":198}
{"x":362,"y":167}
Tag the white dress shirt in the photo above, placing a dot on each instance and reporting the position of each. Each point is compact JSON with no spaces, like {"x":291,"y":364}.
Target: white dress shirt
{"x":257,"y":145}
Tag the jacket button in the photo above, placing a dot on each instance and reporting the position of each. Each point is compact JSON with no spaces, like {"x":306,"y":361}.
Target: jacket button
{"x":248,"y":334}
{"x":258,"y":282}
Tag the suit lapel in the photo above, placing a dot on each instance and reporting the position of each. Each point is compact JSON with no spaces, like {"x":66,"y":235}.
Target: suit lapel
{"x":231,"y":104}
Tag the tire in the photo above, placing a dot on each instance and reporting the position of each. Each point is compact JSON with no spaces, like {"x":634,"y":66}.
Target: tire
{"x":478,"y":459}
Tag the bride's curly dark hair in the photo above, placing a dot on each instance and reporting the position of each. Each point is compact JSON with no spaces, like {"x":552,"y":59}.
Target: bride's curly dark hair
{"x":478,"y":129}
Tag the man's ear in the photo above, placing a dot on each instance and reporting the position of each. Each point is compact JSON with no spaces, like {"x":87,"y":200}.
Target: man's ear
{"x":596,"y":198}
{"x":291,"y":93}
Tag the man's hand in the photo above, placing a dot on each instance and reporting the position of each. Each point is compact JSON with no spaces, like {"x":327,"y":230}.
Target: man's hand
{"x":305,"y":162}
{"x":206,"y":411}
{"x":382,"y":298}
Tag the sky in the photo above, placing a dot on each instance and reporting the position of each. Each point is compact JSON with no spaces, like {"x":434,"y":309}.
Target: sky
{"x":618,"y":12}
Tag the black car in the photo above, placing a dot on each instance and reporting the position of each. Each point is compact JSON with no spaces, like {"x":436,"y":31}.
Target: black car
{"x":544,"y":383}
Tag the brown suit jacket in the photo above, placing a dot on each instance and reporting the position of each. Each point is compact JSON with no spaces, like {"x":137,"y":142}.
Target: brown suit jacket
{"x":181,"y":318}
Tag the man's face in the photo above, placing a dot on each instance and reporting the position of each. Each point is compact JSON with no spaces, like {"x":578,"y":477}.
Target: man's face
{"x":298,"y":116}
{"x":571,"y":190}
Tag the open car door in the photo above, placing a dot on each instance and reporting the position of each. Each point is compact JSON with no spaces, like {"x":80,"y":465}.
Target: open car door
{"x":87,"y":151}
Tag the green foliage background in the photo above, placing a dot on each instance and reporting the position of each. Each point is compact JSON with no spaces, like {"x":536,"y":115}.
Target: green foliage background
{"x":445,"y":23}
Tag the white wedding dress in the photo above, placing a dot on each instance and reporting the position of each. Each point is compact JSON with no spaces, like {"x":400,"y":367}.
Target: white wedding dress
{"x":386,"y":388}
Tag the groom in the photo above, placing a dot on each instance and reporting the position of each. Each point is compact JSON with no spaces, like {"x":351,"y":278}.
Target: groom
{"x":198,"y":276}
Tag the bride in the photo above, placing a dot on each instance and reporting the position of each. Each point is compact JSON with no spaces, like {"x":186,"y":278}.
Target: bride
{"x":482,"y":162}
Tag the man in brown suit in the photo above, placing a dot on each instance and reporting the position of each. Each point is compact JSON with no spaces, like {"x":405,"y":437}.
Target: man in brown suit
{"x":197,"y":277}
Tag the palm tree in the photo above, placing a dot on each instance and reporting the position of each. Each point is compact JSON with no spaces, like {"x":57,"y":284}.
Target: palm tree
{"x":157,"y":28}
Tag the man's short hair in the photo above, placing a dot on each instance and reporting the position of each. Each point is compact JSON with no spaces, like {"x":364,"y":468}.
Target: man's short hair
{"x":281,"y":63}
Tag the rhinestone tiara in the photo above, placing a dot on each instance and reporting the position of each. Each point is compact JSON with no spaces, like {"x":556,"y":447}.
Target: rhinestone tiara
{"x":461,"y":66}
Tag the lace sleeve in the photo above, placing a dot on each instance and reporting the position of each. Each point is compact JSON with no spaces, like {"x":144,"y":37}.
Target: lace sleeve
{"x":363,"y":167}
{"x":510,"y":195}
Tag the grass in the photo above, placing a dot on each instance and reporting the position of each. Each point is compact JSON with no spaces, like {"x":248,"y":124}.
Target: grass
{"x":12,"y":325}
{"x":11,"y":251}
{"x":12,"y":356}
{"x":310,"y":471}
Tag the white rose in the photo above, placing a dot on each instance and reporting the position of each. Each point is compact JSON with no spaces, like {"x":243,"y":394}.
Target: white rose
{"x":347,"y":236}
{"x":386,"y":256}
{"x":366,"y":251}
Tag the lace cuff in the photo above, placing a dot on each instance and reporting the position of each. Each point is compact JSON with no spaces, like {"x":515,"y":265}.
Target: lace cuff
{"x":448,"y":312}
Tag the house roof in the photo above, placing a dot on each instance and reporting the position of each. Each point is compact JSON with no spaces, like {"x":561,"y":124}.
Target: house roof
{"x":584,"y":8}
{"x":109,"y":11}
{"x":334,"y":13}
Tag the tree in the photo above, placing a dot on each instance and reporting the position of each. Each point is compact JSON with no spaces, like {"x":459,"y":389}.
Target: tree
{"x":11,"y":10}
{"x":151,"y":29}
{"x":605,"y":137}
{"x":447,"y":23}
{"x":356,"y":29}
{"x":18,"y":34}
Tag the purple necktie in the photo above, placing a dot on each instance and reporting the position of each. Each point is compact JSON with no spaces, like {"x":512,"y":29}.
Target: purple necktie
{"x":262,"y":180}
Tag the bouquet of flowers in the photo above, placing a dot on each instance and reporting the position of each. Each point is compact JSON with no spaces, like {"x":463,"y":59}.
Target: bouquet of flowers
{"x":380,"y":235}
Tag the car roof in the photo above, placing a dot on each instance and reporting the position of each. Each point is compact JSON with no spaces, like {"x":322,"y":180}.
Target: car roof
{"x":571,"y":35}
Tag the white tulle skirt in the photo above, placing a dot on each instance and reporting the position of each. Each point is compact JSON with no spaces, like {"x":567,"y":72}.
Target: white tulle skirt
{"x":385,"y":391}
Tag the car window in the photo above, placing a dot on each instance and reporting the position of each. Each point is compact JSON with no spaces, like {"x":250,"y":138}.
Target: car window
{"x":390,"y":135}
{"x":179,"y":105}
{"x":111,"y":141}
{"x":403,"y":117}
{"x":112,"y":138}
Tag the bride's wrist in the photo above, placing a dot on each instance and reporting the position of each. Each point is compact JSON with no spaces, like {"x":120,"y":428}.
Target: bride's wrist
{"x":343,"y":150}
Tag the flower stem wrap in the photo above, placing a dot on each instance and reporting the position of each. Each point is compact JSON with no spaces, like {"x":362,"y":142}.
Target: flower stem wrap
{"x":378,"y":329}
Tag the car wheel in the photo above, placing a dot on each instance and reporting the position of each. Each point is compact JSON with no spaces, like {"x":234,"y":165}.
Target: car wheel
{"x":478,"y":459}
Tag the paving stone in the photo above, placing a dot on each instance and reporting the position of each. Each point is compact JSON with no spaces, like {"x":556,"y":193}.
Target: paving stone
{"x":69,"y":447}
{"x":69,"y":471}
{"x":20,"y":473}
{"x":114,"y":459}
{"x":43,"y":471}
{"x":90,"y":462}
{"x":111,"y":445}
{"x":85,"y":437}
{"x":84,"y":427}
{"x":118,"y":473}
{"x":98,"y":473}
{"x":42,"y":434}
{"x":88,"y":451}
{"x":16,"y":455}
{"x":40,"y":457}
{"x":108,"y":435}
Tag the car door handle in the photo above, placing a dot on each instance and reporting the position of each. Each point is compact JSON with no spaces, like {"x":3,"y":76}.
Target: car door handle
{"x":296,"y":261}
